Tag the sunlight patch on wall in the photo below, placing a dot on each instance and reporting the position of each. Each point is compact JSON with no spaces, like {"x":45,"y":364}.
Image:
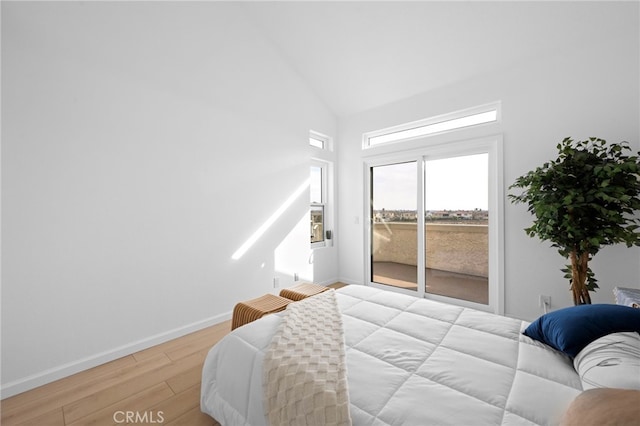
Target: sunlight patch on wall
{"x":270,"y":221}
{"x":293,"y":255}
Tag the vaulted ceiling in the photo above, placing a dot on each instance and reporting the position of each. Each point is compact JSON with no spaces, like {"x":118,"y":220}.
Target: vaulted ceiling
{"x":359,"y":55}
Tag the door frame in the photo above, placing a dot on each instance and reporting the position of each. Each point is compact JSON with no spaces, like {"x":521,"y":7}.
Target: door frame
{"x":492,"y":145}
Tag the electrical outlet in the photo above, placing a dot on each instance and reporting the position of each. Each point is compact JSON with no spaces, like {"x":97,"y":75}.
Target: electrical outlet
{"x":296,"y":277}
{"x":276,"y":282}
{"x":544,"y":301}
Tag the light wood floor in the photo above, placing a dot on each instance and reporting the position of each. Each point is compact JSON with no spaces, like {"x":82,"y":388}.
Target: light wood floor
{"x":160,"y":381}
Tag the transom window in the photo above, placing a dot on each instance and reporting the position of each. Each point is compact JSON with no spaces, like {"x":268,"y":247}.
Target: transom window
{"x":320,"y":141}
{"x":483,"y":114}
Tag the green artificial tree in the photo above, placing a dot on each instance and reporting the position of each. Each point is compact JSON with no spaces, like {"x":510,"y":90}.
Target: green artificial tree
{"x":585,"y":199}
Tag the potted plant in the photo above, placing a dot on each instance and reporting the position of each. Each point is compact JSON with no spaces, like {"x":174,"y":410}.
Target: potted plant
{"x":583,"y":200}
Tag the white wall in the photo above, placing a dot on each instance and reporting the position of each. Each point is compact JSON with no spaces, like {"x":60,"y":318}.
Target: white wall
{"x":143,"y":143}
{"x":589,"y":91}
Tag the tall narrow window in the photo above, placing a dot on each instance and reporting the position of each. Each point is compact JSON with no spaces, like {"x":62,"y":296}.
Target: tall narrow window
{"x":317,"y":198}
{"x":321,"y":176}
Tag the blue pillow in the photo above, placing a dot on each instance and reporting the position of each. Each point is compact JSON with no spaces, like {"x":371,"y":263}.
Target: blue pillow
{"x":569,"y":330}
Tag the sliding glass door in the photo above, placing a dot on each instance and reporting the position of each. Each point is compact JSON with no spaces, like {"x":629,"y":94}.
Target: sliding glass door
{"x":456,"y":234}
{"x":394,"y":207}
{"x":432,"y":215}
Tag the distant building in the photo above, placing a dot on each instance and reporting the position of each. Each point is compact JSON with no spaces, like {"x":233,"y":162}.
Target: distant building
{"x":430,"y":215}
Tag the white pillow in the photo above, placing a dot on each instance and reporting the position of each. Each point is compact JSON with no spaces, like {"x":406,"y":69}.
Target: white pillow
{"x":612,"y":361}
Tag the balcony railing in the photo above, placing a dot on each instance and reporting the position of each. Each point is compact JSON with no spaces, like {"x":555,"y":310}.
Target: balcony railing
{"x":458,"y":248}
{"x":456,"y":258}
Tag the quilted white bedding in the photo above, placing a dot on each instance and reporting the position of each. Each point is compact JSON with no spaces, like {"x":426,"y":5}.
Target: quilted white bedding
{"x":410,"y":361}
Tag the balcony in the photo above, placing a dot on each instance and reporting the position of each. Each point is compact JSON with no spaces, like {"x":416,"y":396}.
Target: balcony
{"x":456,"y":258}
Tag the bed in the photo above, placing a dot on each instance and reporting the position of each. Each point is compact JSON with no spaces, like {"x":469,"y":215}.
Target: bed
{"x":409,"y":361}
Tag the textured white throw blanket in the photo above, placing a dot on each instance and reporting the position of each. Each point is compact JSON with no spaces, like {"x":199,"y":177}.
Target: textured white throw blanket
{"x":305,"y":378}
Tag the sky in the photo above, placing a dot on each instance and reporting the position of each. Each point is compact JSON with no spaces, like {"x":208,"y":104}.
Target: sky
{"x":456,"y":183}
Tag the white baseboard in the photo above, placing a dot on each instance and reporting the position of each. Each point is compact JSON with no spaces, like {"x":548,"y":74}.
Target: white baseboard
{"x":349,"y":281}
{"x":326,"y":282}
{"x":65,"y":370}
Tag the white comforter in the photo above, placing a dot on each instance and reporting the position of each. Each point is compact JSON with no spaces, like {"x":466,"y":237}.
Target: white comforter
{"x":410,"y":361}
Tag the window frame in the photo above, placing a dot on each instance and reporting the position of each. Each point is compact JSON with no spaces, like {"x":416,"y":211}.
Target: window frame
{"x":433,"y":150}
{"x":325,"y":202}
{"x":429,"y":122}
{"x":325,"y":141}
